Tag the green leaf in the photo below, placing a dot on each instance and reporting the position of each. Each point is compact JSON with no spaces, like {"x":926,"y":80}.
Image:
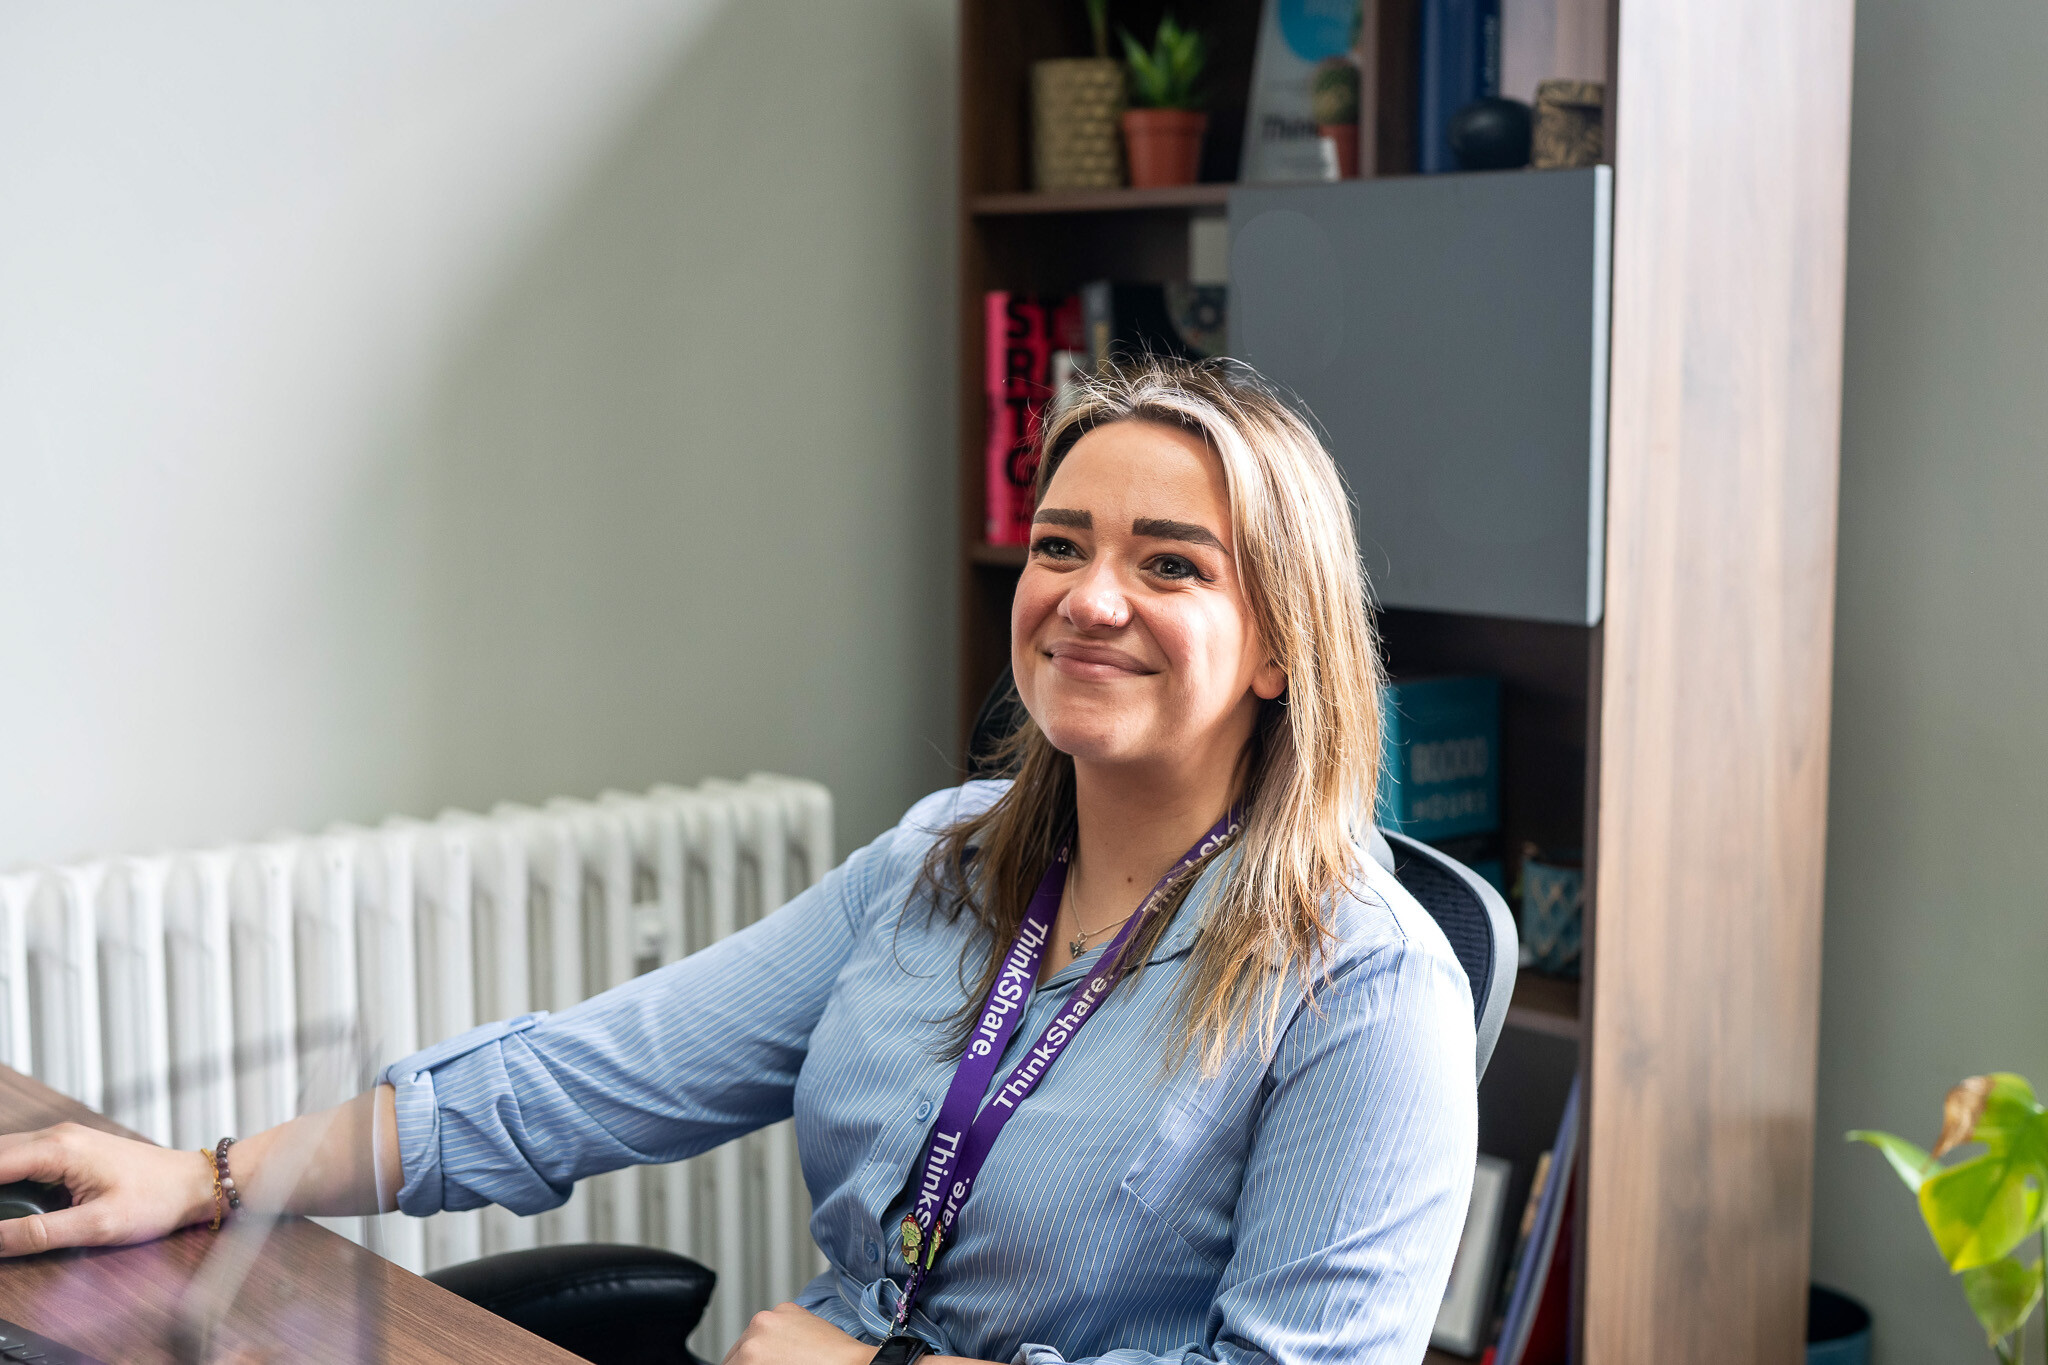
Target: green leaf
{"x":1146,"y":77}
{"x":1986,"y":1109}
{"x":1189,"y":57}
{"x":2010,"y":1113}
{"x":1166,"y":76}
{"x":1979,"y":1210}
{"x":1098,"y":25}
{"x":1912,"y":1163}
{"x":2002,"y":1294}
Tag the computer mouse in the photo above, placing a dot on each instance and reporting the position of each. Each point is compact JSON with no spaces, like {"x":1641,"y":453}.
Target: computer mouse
{"x":25,"y":1197}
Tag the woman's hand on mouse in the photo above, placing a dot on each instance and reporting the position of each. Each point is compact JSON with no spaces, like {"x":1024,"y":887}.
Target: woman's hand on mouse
{"x":122,"y":1191}
{"x":340,"y":1161}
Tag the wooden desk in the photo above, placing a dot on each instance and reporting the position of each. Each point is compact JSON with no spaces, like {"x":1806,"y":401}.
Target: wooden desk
{"x":305,"y":1300}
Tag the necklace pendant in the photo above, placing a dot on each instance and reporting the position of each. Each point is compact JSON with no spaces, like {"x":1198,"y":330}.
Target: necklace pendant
{"x":1077,"y":945}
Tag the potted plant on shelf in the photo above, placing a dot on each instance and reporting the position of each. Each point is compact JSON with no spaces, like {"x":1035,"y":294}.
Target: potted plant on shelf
{"x":1075,"y":102}
{"x":1163,"y":133}
{"x":1983,"y":1211}
{"x":1333,"y":103}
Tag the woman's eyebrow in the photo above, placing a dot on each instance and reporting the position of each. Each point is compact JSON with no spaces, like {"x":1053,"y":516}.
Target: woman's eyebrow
{"x":1159,"y":529}
{"x":1063,"y":516}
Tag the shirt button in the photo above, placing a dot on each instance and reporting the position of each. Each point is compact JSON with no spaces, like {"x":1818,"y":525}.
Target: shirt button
{"x":873,"y":1249}
{"x":924,"y":1111}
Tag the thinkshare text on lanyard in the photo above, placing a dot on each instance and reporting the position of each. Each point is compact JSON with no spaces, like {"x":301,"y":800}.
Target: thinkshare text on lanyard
{"x":961,"y":1139}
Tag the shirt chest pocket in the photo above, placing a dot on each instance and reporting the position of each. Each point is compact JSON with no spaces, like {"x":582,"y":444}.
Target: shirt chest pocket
{"x":1190,"y":1172}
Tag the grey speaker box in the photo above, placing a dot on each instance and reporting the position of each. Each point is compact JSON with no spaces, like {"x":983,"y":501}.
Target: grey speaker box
{"x":1449,"y":335}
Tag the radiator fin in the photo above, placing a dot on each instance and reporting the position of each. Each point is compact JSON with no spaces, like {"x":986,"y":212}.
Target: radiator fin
{"x":223,"y":990}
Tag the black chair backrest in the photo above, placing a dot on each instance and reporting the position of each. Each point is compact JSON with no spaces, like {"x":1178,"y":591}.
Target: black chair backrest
{"x":1476,"y":921}
{"x":1470,"y":912}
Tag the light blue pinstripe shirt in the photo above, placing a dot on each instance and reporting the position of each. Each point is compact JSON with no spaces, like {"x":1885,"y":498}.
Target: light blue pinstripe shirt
{"x":1302,"y":1207}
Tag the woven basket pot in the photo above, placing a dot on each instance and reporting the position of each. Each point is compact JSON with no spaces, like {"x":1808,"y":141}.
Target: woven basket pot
{"x":1567,"y":125}
{"x":1075,"y":102}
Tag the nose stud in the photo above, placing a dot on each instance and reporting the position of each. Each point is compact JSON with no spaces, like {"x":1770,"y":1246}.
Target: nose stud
{"x":1111,"y":617}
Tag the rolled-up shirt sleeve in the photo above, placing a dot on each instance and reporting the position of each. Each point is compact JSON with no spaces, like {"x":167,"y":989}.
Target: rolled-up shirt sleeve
{"x":1355,"y":1193}
{"x":663,"y":1067}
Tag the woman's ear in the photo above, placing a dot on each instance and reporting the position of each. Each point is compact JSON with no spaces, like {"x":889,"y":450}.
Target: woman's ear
{"x":1270,"y":681}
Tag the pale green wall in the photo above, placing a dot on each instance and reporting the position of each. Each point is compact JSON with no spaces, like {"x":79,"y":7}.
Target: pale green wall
{"x":1936,"y":962}
{"x":692,"y":474}
{"x":408,"y":405}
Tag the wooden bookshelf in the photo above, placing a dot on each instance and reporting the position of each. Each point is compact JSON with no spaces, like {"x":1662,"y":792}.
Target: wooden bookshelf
{"x":1175,"y":198}
{"x":1545,"y":1004}
{"x":1681,"y":743}
{"x":998,"y":556}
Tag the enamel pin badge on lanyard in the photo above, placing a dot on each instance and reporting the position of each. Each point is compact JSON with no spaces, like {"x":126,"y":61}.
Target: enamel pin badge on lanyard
{"x":913,"y":1244}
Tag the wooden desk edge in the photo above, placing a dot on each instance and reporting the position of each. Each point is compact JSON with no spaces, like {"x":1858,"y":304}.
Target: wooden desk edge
{"x":303,"y":1302}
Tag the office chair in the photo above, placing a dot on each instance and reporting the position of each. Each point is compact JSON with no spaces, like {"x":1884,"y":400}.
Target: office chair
{"x":614,"y":1305}
{"x":632,"y":1305}
{"x":1474,"y":918}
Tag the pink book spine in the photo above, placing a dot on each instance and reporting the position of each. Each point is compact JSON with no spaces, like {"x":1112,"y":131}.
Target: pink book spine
{"x":1014,"y":379}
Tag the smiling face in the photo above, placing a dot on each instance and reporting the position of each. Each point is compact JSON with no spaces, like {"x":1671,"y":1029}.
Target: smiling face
{"x":1130,"y":636}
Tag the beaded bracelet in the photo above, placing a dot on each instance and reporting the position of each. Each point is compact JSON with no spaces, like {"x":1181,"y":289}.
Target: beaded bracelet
{"x":223,"y":1177}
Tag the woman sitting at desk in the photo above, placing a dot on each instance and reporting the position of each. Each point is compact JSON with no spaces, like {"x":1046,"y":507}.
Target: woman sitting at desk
{"x":1136,"y":1058}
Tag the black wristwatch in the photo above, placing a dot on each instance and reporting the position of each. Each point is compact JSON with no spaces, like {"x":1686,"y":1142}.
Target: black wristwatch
{"x":901,"y":1349}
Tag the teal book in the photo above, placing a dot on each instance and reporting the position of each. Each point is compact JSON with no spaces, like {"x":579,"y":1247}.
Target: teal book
{"x":1440,"y":758}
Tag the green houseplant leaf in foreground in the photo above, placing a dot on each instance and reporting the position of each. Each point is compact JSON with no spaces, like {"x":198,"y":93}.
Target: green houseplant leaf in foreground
{"x":1980,"y":1210}
{"x":1983,"y":1208}
{"x":1914,"y":1164}
{"x":2002,"y":1294}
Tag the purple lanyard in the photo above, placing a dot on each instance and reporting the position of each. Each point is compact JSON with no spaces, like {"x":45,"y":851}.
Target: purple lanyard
{"x":961,"y":1139}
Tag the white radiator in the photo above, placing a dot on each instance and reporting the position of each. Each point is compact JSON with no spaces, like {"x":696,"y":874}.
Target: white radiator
{"x":193,"y":994}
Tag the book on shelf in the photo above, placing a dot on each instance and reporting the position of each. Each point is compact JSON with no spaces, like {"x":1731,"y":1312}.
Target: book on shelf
{"x":1524,"y":1231}
{"x":1440,"y":757}
{"x":1458,"y":62}
{"x":1535,"y":1328}
{"x":1122,"y":322}
{"x":1466,"y":1310}
{"x":1548,"y":1339}
{"x":1282,"y":138}
{"x":1031,"y":341}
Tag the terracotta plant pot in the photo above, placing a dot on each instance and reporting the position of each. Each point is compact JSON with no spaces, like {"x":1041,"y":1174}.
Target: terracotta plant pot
{"x":1343,"y":140}
{"x":1163,"y":146}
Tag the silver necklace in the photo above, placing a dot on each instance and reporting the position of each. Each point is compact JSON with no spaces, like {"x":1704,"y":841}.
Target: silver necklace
{"x":1078,"y":944}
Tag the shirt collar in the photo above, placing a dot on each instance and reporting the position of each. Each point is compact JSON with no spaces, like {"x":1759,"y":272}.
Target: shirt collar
{"x":1180,"y":935}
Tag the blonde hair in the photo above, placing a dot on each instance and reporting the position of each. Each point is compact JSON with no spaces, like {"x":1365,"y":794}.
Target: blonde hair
{"x":1313,"y":759}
